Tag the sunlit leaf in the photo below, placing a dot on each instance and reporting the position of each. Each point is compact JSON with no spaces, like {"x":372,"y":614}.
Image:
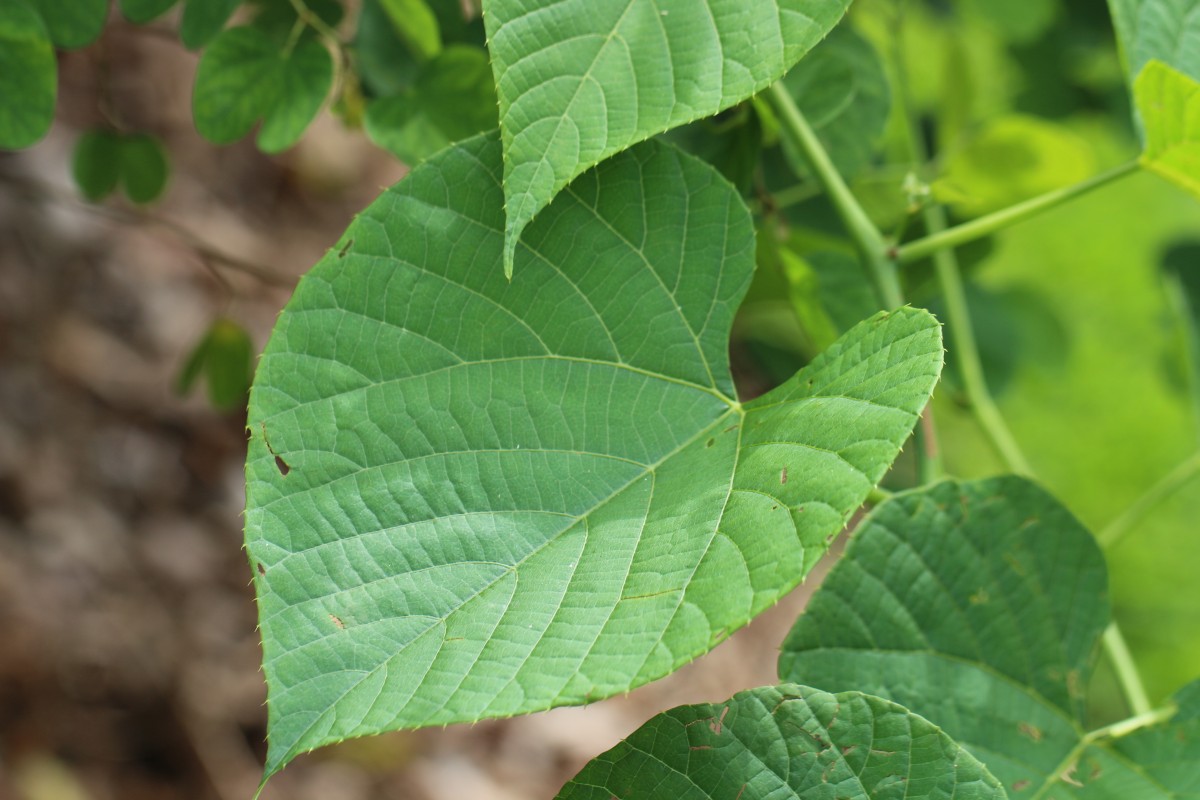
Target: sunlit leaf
{"x":579,"y":81}
{"x":470,"y":497}
{"x":786,"y":742}
{"x":1165,"y":30}
{"x":28,"y":76}
{"x":1169,"y":104}
{"x":980,"y":606}
{"x":244,"y":76}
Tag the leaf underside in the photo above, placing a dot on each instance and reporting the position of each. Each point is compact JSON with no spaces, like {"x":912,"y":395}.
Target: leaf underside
{"x":980,"y":606}
{"x":1169,"y":104}
{"x":786,"y":741}
{"x":469,"y":497}
{"x":579,"y":81}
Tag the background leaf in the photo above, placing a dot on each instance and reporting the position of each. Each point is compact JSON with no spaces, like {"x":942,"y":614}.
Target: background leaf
{"x":73,"y":24}
{"x":143,"y":167}
{"x":28,"y":76}
{"x":96,"y":165}
{"x":1166,"y":30}
{"x":416,"y":25}
{"x":843,"y":92}
{"x":980,"y":606}
{"x":470,"y":497}
{"x":786,"y":741}
{"x":204,"y":19}
{"x":244,"y":76}
{"x":143,"y":11}
{"x":453,"y":98}
{"x":1169,"y":104}
{"x":578,"y":81}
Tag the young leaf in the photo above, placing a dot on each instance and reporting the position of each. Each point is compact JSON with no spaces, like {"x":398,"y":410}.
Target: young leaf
{"x":96,"y":165}
{"x":786,"y":741}
{"x":28,"y":76}
{"x":1169,"y":104}
{"x":143,"y":167}
{"x":204,"y":19}
{"x":453,"y":99}
{"x":980,"y":606}
{"x":73,"y":24}
{"x":843,"y":91}
{"x":143,"y":11}
{"x":470,"y":497}
{"x":244,"y":76}
{"x":579,"y":81}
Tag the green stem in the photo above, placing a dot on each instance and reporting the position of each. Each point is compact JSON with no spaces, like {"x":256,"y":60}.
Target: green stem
{"x":1128,"y":726}
{"x":1125,"y":669}
{"x":977,"y":228}
{"x":1136,"y":513}
{"x":867,"y":238}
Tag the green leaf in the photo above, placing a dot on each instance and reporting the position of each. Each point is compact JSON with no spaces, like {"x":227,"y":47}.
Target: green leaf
{"x":28,"y":76}
{"x":416,"y":25}
{"x":1166,"y":30}
{"x":225,"y":356}
{"x":96,"y":165}
{"x":73,"y":23}
{"x":453,"y":99}
{"x":980,"y":606}
{"x":470,"y":497}
{"x":786,"y":741}
{"x":579,"y":81}
{"x":204,"y":19}
{"x":843,"y":92}
{"x":731,"y":141}
{"x":244,"y":76}
{"x":1013,"y":158}
{"x":1169,"y":104}
{"x":1020,"y":23}
{"x":386,"y":66}
{"x":143,"y":11}
{"x":143,"y":167}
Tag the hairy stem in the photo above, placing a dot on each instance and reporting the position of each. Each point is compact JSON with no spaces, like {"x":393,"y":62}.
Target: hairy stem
{"x":867,"y":238}
{"x":1133,"y":516}
{"x":937,"y":241}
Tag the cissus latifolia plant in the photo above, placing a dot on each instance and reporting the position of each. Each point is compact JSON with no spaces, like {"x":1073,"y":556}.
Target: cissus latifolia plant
{"x":498,"y":462}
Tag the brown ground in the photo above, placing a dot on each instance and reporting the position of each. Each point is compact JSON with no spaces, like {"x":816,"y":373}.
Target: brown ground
{"x":128,"y":652}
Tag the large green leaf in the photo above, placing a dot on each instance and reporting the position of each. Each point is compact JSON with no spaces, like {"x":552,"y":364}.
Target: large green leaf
{"x":244,"y":76}
{"x":28,"y":76}
{"x":980,"y":606}
{"x":1169,"y":104}
{"x":579,"y":81}
{"x":470,"y":497}
{"x":786,"y":741}
{"x":75,"y":23}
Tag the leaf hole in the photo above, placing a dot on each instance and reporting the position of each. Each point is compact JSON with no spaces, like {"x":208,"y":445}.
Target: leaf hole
{"x":261,"y":569}
{"x":282,"y":466}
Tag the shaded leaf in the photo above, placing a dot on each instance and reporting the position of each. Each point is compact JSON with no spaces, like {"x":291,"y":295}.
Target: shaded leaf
{"x":204,"y":19}
{"x":73,"y":24}
{"x":28,"y":76}
{"x":471,"y":497}
{"x":1019,"y":23}
{"x":143,"y":167}
{"x":1013,"y":158}
{"x":579,"y":81}
{"x":225,"y":356}
{"x":452,"y":99}
{"x":786,"y":741}
{"x":244,"y":76}
{"x":980,"y":606}
{"x":731,"y":141}
{"x":96,"y":165}
{"x":143,"y":11}
{"x":843,"y":92}
{"x":1166,"y":30}
{"x":1169,"y":104}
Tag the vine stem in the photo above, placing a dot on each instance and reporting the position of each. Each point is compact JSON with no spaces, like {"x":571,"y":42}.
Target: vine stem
{"x":1133,"y":516}
{"x":867,"y":238}
{"x":1126,"y":670}
{"x":938,"y":241}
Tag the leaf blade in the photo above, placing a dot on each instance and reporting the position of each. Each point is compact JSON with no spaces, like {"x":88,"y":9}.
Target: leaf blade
{"x":587,"y":542}
{"x":563,"y":75}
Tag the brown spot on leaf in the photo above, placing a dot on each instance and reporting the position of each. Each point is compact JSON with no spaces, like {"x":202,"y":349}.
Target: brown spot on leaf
{"x":1031,"y":731}
{"x":261,"y":569}
{"x":1021,"y":785}
{"x":783,"y":476}
{"x":337,"y":621}
{"x":346,"y":247}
